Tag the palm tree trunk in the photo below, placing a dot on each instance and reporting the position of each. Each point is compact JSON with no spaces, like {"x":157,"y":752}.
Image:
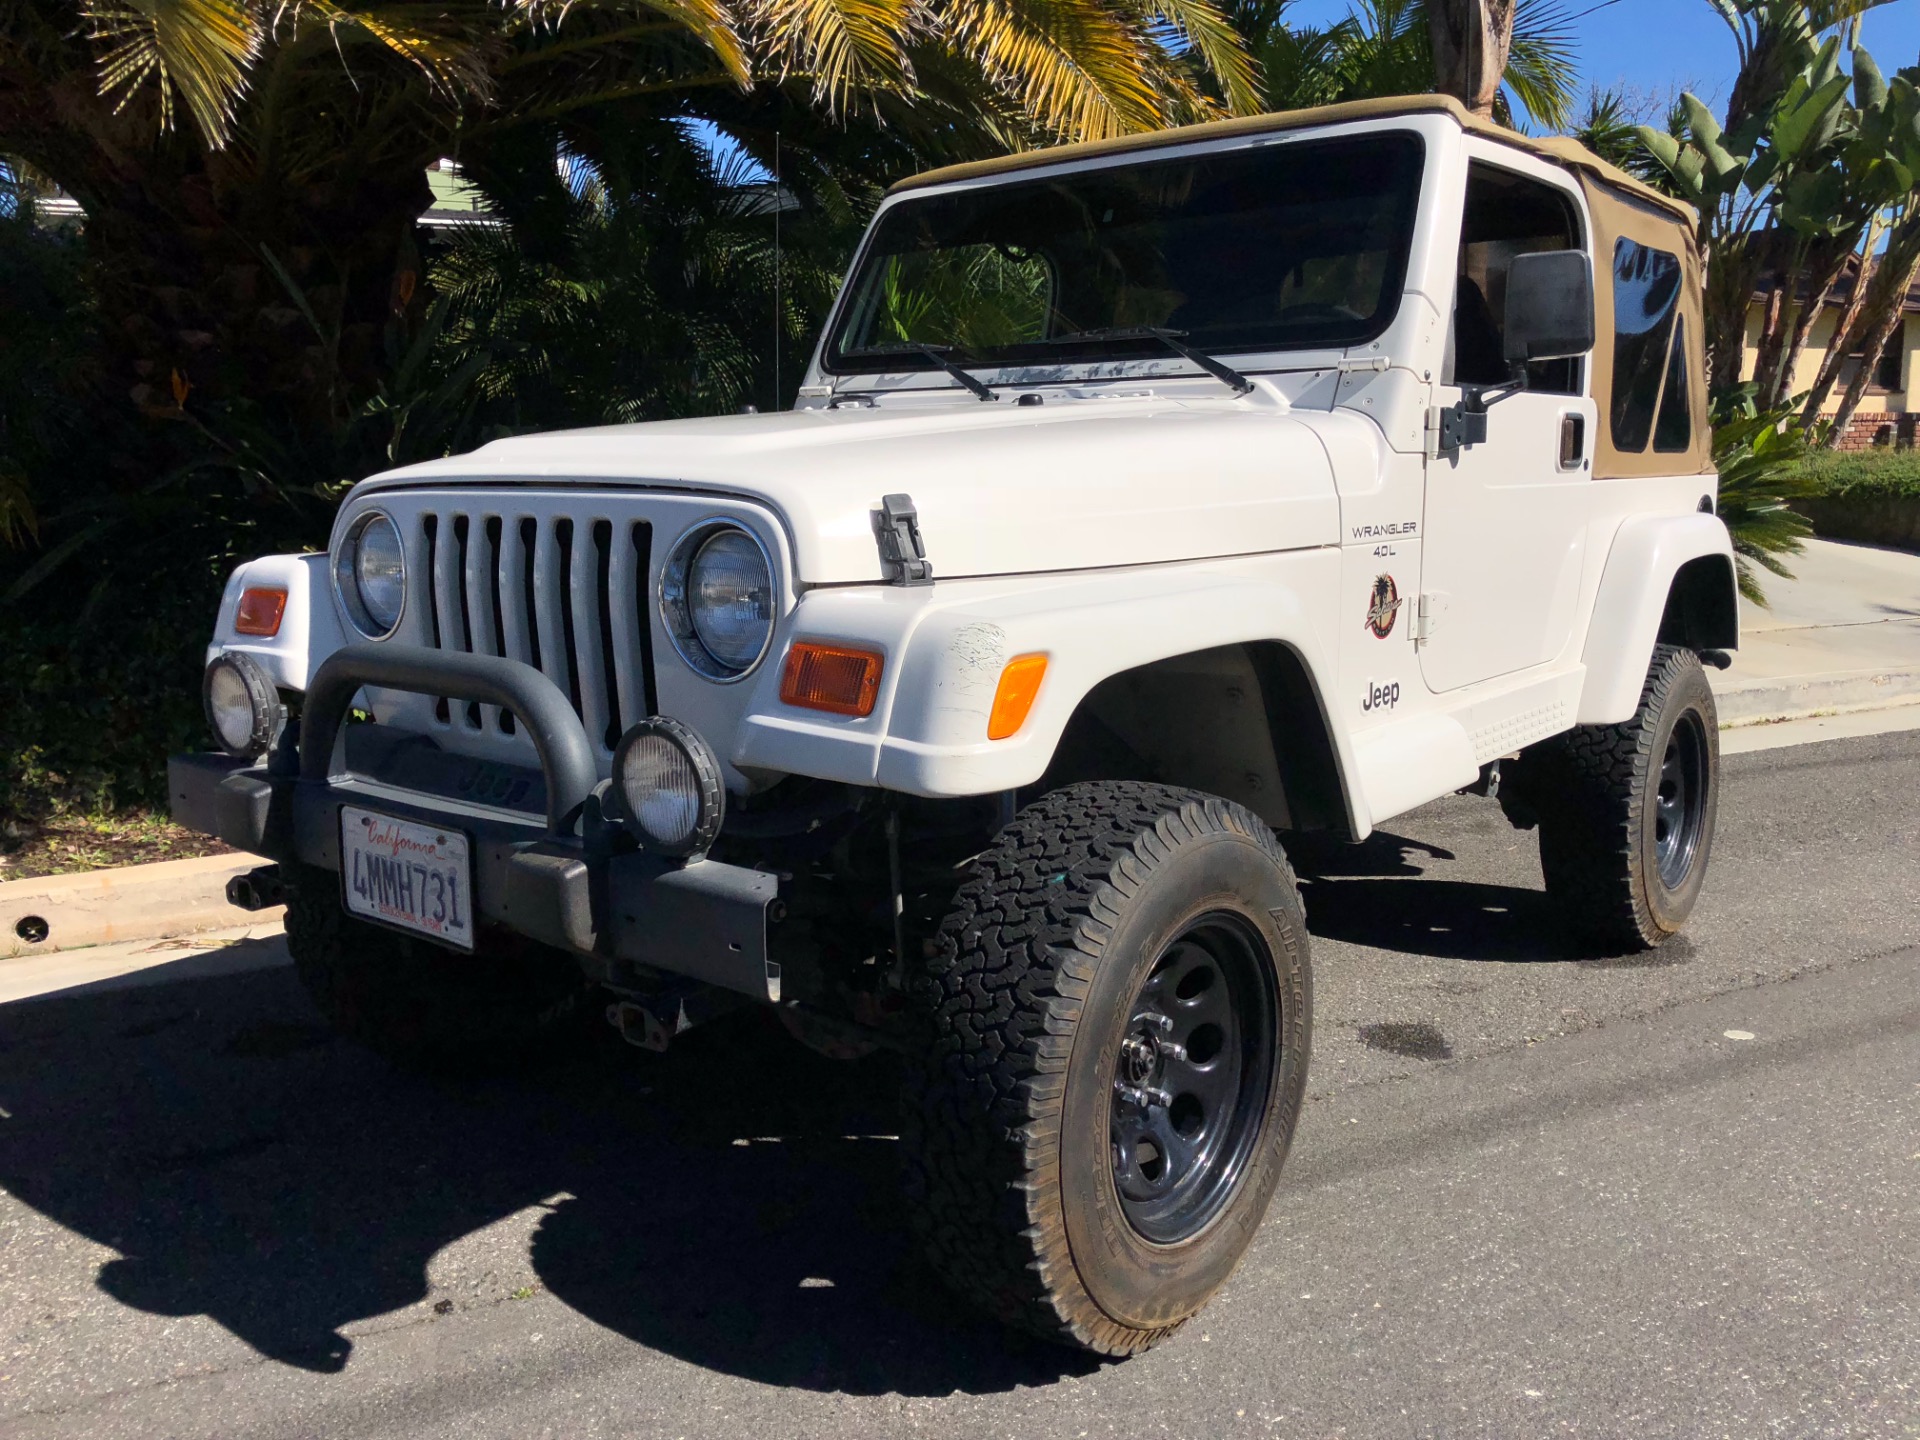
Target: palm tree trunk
{"x":1886,"y":319}
{"x":1773,"y":334}
{"x":1471,"y":41}
{"x":1830,"y":265}
{"x":1847,"y":329}
{"x":229,"y":284}
{"x":1733,"y":269}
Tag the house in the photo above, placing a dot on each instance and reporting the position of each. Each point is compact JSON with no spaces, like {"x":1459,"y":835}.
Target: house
{"x":1889,"y":413}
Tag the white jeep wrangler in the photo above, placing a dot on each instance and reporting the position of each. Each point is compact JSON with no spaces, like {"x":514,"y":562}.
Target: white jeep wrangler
{"x":1143,"y":499}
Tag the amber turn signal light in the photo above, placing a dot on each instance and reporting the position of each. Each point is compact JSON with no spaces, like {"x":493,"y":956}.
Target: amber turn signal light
{"x":1014,"y":697}
{"x":260,"y":612}
{"x":834,"y":678}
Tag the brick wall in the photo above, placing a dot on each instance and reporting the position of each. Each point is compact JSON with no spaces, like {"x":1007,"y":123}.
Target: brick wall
{"x":1864,"y":432}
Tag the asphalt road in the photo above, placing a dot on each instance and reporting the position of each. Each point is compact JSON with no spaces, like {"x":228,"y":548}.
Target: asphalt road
{"x":1531,"y":1195}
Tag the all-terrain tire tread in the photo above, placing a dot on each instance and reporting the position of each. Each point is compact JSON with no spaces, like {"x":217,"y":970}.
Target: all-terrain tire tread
{"x":1592,"y":809}
{"x":997,"y":1008}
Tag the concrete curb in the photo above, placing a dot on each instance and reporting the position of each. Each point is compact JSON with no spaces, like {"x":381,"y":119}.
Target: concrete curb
{"x":137,"y":902}
{"x":1786,"y":697}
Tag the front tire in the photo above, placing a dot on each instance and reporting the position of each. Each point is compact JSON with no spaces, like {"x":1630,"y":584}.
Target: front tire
{"x":1627,"y":811}
{"x":422,"y":1007}
{"x":1115,"y":1038}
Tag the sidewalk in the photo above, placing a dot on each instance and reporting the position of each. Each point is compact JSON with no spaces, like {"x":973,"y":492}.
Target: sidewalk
{"x":233,"y":950}
{"x":1843,"y":634}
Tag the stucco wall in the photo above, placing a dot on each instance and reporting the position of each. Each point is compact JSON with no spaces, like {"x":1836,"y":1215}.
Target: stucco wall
{"x":1877,"y":407}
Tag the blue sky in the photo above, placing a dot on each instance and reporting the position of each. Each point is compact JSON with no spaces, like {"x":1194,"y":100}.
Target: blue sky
{"x":1659,"y":47}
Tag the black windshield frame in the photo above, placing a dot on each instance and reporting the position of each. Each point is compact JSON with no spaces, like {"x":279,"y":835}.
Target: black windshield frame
{"x":1302,"y":174}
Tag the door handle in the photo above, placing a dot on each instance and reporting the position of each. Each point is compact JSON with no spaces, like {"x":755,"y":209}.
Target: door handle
{"x":1573,"y":440}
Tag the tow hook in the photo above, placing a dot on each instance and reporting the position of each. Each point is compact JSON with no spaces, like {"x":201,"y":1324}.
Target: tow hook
{"x":651,"y":1020}
{"x":259,"y":889}
{"x":640,"y":1026}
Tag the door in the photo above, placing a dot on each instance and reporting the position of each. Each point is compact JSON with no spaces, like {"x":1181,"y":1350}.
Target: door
{"x":1505,"y":519}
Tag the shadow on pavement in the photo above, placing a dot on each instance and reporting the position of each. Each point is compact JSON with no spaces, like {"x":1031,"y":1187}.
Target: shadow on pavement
{"x":732,"y":1203}
{"x":1446,"y":919}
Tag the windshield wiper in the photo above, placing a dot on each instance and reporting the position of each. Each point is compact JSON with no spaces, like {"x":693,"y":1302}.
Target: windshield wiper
{"x":938,"y":355}
{"x":1174,"y":340}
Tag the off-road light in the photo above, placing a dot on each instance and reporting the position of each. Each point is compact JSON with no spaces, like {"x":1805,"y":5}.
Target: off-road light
{"x":243,"y":707}
{"x":716,"y":595}
{"x":667,"y":788}
{"x":371,"y":573}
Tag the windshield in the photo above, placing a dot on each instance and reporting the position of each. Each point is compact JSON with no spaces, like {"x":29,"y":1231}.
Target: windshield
{"x":1291,"y":246}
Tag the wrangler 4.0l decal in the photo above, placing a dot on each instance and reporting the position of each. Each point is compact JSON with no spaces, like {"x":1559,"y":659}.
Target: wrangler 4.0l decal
{"x":1383,"y":607}
{"x":1398,"y":530}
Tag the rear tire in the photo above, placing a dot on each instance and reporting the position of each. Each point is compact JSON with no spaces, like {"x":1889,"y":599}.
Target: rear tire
{"x":1118,"y":942}
{"x":422,"y":1007}
{"x":1627,"y":811}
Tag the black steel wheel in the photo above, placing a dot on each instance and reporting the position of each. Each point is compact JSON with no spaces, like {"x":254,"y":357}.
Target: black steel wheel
{"x":1113,"y":1052}
{"x":1680,"y":802}
{"x":1191,"y":1078}
{"x":1627,"y":811}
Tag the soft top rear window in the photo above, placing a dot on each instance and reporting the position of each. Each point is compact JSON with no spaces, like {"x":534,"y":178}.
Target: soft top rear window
{"x":1299,"y":245}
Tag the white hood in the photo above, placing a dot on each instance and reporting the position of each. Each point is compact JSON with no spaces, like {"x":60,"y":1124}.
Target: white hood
{"x":1001,"y":488}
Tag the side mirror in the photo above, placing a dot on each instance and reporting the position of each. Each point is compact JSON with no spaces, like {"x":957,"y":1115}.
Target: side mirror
{"x":1549,"y":306}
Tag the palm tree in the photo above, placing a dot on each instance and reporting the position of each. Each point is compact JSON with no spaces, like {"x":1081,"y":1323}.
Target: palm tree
{"x":1386,"y":47}
{"x":252,"y":169}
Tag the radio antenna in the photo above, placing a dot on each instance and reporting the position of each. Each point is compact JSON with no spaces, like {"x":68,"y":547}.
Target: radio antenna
{"x":779,"y":203}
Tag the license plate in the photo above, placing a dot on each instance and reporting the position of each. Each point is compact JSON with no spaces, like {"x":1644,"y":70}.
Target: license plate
{"x":416,"y":877}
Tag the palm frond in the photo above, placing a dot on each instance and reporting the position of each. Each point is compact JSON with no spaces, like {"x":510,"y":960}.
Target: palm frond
{"x":431,"y":38}
{"x":1073,"y":65}
{"x":200,"y":50}
{"x":1201,"y":25}
{"x":1543,"y":66}
{"x":843,"y":46}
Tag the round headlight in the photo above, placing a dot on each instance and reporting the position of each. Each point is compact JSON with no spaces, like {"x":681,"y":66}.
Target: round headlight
{"x":372,"y":574}
{"x":668,"y":787}
{"x":717,"y":594}
{"x":243,"y":706}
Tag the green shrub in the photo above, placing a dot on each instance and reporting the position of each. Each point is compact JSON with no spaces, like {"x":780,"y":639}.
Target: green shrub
{"x":1865,"y":474}
{"x":1759,"y":454}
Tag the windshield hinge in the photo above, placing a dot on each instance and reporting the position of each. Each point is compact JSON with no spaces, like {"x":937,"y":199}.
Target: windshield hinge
{"x":1426,"y":616}
{"x":1349,"y":364}
{"x":897,"y":527}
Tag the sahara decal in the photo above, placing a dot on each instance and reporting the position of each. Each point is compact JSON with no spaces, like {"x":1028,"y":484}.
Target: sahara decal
{"x":1384,"y":606}
{"x":1398,"y":530}
{"x":1380,"y":697}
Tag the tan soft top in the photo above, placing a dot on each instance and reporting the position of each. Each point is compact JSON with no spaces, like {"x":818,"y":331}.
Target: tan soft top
{"x":1559,"y":149}
{"x":1623,"y":208}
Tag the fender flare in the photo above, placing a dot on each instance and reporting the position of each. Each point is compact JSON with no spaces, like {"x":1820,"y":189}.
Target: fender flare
{"x":927,"y":735}
{"x":310,"y":628}
{"x":1647,"y":556}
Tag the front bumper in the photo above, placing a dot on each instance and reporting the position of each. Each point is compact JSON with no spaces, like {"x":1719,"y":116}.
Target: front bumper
{"x":572,"y":881}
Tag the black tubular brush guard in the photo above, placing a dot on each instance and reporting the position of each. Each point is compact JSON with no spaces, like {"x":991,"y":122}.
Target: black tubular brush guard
{"x":570,"y":879}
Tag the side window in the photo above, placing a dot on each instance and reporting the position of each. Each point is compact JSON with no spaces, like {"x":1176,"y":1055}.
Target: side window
{"x":1646,"y":298}
{"x":1674,"y":433}
{"x":1506,"y":215}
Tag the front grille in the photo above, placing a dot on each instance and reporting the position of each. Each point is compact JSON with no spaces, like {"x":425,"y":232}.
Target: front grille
{"x":566,"y":594}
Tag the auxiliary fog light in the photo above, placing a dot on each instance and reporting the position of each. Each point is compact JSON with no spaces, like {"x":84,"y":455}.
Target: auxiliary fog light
{"x":243,"y":706}
{"x":667,"y":788}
